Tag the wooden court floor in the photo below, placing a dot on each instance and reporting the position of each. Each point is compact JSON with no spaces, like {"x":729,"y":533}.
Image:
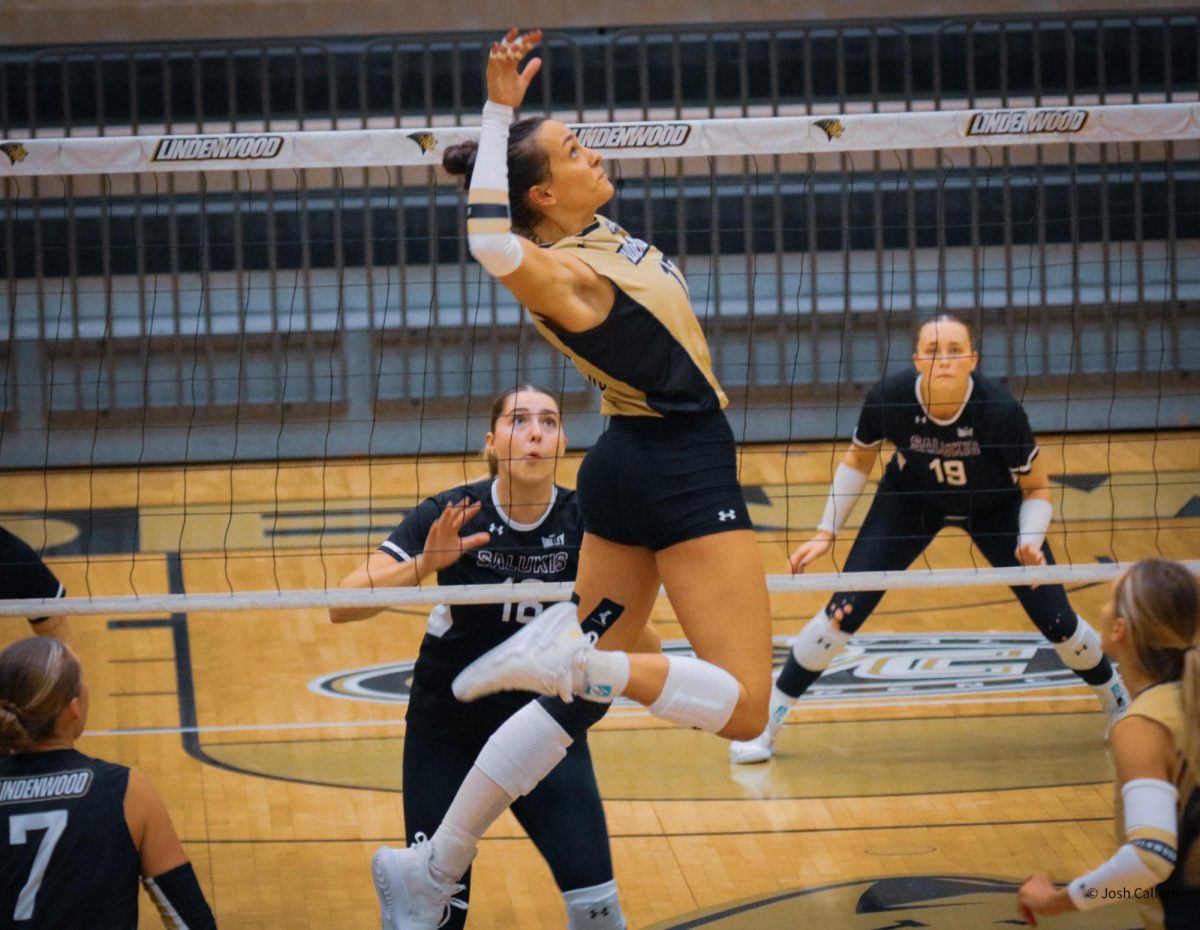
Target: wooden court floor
{"x":943,"y":759}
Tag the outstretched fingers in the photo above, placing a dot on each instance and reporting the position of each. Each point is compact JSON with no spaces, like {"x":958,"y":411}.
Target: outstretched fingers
{"x":507,"y":83}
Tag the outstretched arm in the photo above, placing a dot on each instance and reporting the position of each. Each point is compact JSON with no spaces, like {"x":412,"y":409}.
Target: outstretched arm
{"x":1035,"y":515}
{"x":552,"y":284}
{"x":1144,"y":755}
{"x":848,"y":483}
{"x":443,"y":546}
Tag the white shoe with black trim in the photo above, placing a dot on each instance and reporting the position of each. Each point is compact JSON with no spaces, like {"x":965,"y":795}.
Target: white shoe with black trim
{"x":410,"y":898}
{"x":545,"y":656}
{"x":747,"y":752}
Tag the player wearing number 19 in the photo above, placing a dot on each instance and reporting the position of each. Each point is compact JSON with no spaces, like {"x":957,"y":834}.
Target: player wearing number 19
{"x":77,"y":832}
{"x":965,"y":456}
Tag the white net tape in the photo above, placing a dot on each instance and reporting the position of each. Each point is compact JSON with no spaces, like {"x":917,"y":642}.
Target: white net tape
{"x":671,"y":138}
{"x":508,"y":592}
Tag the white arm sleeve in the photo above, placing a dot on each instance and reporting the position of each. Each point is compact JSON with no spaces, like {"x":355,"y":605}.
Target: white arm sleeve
{"x":1149,"y":854}
{"x":489,"y":225}
{"x":848,"y":484}
{"x":1033,"y":519}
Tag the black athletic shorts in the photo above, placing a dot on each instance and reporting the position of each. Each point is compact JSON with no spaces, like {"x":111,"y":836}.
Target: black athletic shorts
{"x":23,"y":574}
{"x":655,"y":482}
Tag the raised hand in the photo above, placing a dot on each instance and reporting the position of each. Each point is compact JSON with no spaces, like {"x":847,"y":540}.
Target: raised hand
{"x":506,"y":83}
{"x":444,"y":545}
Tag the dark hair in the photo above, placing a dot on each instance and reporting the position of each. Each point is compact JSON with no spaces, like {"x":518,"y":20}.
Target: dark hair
{"x":39,"y":677}
{"x":498,"y":406}
{"x":942,"y":318}
{"x":528,"y":164}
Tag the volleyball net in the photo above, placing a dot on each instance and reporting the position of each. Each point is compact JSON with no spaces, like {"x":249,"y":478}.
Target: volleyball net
{"x":263,"y":348}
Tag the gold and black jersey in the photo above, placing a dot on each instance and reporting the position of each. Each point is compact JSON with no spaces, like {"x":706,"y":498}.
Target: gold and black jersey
{"x":1177,"y":903}
{"x":649,"y":356}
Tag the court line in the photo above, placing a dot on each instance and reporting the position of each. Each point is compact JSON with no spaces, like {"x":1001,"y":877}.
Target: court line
{"x":632,"y":712}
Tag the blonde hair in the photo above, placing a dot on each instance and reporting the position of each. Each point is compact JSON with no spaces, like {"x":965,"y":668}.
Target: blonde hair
{"x":1160,"y":602}
{"x":39,"y":677}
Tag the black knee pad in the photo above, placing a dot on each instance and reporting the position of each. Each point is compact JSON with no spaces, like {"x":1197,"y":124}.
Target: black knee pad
{"x":577,"y":717}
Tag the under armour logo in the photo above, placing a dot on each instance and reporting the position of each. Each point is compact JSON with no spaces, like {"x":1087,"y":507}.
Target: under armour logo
{"x":593,"y":913}
{"x":496,"y":530}
{"x":919,"y":419}
{"x":724,"y":515}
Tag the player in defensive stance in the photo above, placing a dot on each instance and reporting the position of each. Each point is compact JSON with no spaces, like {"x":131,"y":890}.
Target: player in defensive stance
{"x":76,"y":832}
{"x":659,"y":490}
{"x":965,"y":456}
{"x":1151,"y":626}
{"x":516,"y":525}
{"x":22,"y":575}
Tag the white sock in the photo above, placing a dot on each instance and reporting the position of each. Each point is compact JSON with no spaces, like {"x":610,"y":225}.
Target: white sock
{"x":780,"y":705}
{"x":605,"y":675}
{"x":477,"y":805}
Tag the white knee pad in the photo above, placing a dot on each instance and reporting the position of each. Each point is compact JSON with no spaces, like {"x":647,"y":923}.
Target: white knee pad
{"x":523,"y":750}
{"x":595,"y":908}
{"x":1082,"y":650}
{"x":818,"y":643}
{"x":697,"y":694}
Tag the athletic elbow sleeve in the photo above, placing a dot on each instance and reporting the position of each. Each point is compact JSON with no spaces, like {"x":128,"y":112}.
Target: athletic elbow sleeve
{"x":1033,"y":519}
{"x":489,"y":224}
{"x":1149,"y":854}
{"x":180,"y":902}
{"x":848,"y":484}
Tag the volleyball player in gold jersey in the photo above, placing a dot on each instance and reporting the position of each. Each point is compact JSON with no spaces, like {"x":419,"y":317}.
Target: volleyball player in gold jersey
{"x":659,"y":492}
{"x":1151,"y":626}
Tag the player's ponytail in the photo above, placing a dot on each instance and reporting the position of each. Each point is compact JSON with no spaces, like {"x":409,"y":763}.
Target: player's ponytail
{"x":1160,"y":601}
{"x":39,"y":676}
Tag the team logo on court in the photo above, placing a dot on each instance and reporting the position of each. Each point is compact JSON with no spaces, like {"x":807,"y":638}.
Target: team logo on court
{"x":1025,"y":122}
{"x":878,"y":667}
{"x":425,"y":141}
{"x":15,"y":151}
{"x":833,"y":128}
{"x":216,"y":148}
{"x":633,"y":135}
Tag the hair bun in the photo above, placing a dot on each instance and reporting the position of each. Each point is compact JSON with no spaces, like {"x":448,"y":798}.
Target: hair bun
{"x":459,"y":159}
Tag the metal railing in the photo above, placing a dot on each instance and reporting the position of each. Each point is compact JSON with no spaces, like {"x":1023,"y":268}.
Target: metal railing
{"x":203,"y":301}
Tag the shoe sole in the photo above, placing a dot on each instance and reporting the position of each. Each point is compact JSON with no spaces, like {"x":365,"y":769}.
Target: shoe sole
{"x":380,"y":879}
{"x":752,"y":758}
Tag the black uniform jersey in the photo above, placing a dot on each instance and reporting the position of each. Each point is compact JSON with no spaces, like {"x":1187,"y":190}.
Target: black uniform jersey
{"x":969,"y":462}
{"x":22,"y":573}
{"x":69,"y":862}
{"x":649,"y":356}
{"x":544,"y":551}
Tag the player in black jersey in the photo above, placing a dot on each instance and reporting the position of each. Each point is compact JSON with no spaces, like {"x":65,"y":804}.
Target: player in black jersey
{"x":24,"y":575}
{"x":77,"y":832}
{"x":659,"y":490}
{"x":516,"y":525}
{"x":965,"y":456}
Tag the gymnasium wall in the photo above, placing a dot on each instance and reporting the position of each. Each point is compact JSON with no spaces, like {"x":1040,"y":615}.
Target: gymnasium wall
{"x":39,"y":22}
